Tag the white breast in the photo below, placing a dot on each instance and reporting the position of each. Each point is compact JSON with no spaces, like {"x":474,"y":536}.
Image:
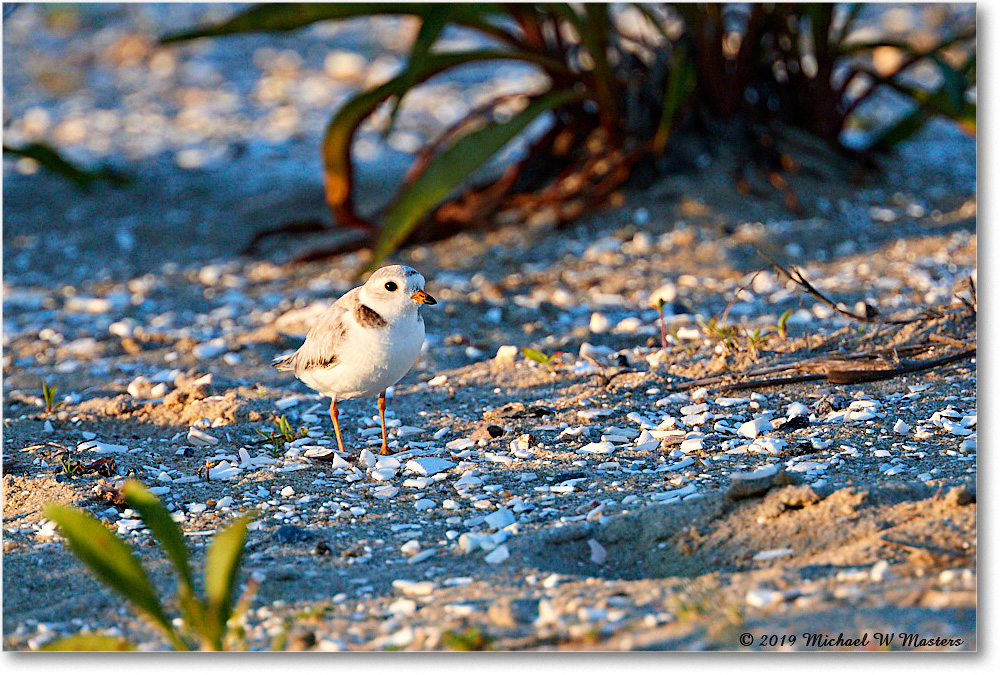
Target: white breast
{"x":370,"y":361}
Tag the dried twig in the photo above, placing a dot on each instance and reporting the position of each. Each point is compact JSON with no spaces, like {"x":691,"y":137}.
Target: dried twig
{"x":971,"y":305}
{"x":603,"y":375}
{"x":736,"y":295}
{"x":945,"y":339}
{"x":47,"y":444}
{"x":871,"y":314}
{"x":857,"y":375}
{"x":804,"y":364}
{"x":924,"y":548}
{"x":851,"y":369}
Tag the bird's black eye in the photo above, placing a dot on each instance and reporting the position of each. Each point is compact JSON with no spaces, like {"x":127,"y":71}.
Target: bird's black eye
{"x":391,"y":286}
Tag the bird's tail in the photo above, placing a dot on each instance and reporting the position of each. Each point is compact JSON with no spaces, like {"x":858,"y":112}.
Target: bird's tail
{"x":283,"y":362}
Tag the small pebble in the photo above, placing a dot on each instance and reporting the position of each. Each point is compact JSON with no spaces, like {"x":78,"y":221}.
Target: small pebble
{"x":497,"y":555}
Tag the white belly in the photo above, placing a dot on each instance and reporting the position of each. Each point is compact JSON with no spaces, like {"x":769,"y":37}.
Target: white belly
{"x":374,"y":361}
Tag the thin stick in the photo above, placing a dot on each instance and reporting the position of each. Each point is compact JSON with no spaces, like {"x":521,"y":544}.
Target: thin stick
{"x":833,"y":376}
{"x":936,"y":337}
{"x":729,"y":306}
{"x":804,"y":363}
{"x":857,"y":376}
{"x":871,"y":316}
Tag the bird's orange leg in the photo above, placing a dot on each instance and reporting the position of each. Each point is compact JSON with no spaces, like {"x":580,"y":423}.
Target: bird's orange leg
{"x":381,"y":415}
{"x":335,"y":416}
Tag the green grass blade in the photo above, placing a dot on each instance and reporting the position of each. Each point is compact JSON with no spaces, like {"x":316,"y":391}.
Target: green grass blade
{"x":166,"y":531}
{"x":918,"y":118}
{"x":484,"y":17}
{"x":292,"y":16}
{"x":222,"y":562}
{"x":340,"y":131}
{"x":110,"y":559}
{"x":864,"y":46}
{"x":284,"y":17}
{"x":448,"y":170}
{"x":535,"y":355}
{"x":680,"y":85}
{"x":860,"y":47}
{"x":595,"y":28}
{"x":903,"y":129}
{"x":937,"y":102}
{"x":52,"y":160}
{"x":953,"y":85}
{"x":88,"y":643}
{"x":430,"y":28}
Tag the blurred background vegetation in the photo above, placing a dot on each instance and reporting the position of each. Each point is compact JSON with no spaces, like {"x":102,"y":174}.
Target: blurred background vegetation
{"x":620,"y":86}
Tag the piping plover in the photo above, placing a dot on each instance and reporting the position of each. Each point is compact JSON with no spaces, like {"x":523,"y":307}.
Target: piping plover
{"x":367,"y":341}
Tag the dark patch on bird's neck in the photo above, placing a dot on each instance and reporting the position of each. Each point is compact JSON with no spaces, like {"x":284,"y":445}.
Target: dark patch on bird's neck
{"x":368,"y":317}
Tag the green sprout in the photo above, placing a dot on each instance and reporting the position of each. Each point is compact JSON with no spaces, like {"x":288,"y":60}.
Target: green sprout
{"x":69,"y":467}
{"x":49,"y":396}
{"x":783,"y":324}
{"x":539,"y":357}
{"x":471,"y":639}
{"x":284,"y":434}
{"x":660,"y":302}
{"x":206,"y":615}
{"x":755,"y":341}
{"x":714,"y":329}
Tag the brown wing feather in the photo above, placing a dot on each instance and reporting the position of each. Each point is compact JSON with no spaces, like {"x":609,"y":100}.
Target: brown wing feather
{"x":322,"y":344}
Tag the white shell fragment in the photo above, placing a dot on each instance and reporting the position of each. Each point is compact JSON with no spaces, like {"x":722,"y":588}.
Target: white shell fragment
{"x":497,"y":555}
{"x":601,"y":448}
{"x":210,"y":349}
{"x":773,"y":553}
{"x":764,"y":597}
{"x":223,"y":471}
{"x":428,"y":466}
{"x":797,"y":409}
{"x":598,"y":554}
{"x":500,"y":519}
{"x":199,"y":437}
{"x":101,"y":448}
{"x":755,"y":427}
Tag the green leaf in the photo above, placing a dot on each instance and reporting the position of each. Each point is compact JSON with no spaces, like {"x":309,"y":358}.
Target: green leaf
{"x":82,"y":642}
{"x":783,"y":322}
{"x":535,"y":355}
{"x":941,"y":102}
{"x":595,"y":28}
{"x":110,"y":560}
{"x":485,"y":17}
{"x":166,"y":531}
{"x":222,"y":562}
{"x":859,"y":47}
{"x":289,"y":16}
{"x":953,"y":85}
{"x":430,"y":28}
{"x":53,"y":161}
{"x":452,"y":167}
{"x":680,"y":84}
{"x":340,"y":131}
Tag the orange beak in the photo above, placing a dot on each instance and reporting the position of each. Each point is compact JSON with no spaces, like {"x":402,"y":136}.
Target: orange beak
{"x":423,"y":298}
